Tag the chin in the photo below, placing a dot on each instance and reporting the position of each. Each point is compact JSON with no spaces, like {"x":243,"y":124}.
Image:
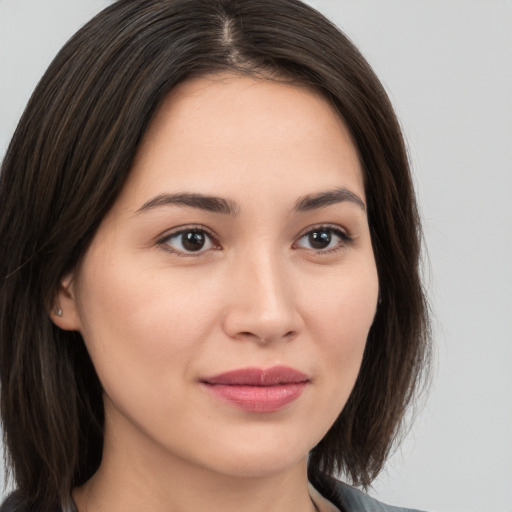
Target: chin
{"x":262,"y":467}
{"x":261,"y":459}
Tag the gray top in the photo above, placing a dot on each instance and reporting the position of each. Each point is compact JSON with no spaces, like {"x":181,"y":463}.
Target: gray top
{"x":353,"y":500}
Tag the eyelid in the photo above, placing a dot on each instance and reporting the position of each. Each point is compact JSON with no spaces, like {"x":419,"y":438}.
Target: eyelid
{"x":333,"y":227}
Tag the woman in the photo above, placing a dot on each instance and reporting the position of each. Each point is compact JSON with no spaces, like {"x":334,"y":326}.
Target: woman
{"x":210,"y":295}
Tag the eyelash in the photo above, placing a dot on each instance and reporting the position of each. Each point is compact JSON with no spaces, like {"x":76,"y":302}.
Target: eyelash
{"x":344,"y":240}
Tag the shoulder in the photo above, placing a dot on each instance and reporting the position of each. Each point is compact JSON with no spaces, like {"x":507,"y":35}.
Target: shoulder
{"x":349,"y":499}
{"x":356,"y":500}
{"x":14,"y":503}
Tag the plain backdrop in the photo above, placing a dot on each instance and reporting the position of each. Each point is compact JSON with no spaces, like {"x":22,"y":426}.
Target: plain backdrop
{"x":447,"y":65}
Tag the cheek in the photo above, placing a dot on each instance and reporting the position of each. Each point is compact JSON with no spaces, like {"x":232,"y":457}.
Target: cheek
{"x":340,"y":317}
{"x":140,"y":322}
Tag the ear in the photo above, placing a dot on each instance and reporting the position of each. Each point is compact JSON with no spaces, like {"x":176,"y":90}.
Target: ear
{"x":64,"y":313}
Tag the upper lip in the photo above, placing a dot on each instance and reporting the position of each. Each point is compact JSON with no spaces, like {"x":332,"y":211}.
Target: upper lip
{"x":258,"y":377}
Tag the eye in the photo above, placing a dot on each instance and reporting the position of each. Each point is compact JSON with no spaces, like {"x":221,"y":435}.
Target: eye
{"x":323,"y":239}
{"x":189,"y":241}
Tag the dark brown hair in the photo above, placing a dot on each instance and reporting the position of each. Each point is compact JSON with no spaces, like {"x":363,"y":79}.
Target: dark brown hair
{"x":67,"y":162}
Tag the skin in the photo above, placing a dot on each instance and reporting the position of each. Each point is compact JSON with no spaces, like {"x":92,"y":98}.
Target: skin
{"x":157,"y":319}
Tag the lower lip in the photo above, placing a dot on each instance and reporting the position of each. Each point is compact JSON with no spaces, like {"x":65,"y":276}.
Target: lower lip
{"x":258,"y":398}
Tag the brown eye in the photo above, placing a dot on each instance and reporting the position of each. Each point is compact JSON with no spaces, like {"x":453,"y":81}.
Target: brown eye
{"x":193,"y":240}
{"x":320,"y":239}
{"x":190,"y":241}
{"x":323,"y":239}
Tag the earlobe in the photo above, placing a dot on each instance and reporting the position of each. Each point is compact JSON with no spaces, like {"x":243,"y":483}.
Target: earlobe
{"x":64,"y":312}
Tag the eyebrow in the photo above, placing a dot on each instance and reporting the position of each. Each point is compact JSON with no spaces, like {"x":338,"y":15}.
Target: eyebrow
{"x":203,"y":202}
{"x":228,"y":207}
{"x":323,"y":199}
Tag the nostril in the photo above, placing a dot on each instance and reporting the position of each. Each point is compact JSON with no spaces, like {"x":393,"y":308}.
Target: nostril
{"x":266,"y":338}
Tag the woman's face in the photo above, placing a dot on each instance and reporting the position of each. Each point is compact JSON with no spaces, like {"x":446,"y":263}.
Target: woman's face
{"x":227,"y":296}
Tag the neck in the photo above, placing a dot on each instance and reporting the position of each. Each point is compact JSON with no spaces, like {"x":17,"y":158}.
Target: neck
{"x":132,"y":491}
{"x":139,"y":476}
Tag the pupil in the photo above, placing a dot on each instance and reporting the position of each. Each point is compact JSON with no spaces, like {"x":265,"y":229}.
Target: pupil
{"x":193,"y":240}
{"x":320,"y":239}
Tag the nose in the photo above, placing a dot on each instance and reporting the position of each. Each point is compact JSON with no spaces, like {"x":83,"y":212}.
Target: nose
{"x":262,"y":302}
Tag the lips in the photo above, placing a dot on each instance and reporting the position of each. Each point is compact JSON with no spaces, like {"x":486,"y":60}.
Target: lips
{"x":257,"y":389}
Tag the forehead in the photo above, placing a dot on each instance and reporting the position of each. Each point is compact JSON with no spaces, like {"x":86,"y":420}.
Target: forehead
{"x":225,"y":131}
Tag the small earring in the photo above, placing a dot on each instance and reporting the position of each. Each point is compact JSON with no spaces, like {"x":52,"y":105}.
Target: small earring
{"x":59,"y":312}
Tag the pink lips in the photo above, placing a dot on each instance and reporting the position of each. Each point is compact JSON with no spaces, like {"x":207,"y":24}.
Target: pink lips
{"x":258,"y":390}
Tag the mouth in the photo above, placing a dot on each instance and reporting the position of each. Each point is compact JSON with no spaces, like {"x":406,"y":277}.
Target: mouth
{"x":256,"y":389}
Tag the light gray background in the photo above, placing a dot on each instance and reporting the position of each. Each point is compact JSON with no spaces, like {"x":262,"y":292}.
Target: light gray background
{"x":447,"y":65}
